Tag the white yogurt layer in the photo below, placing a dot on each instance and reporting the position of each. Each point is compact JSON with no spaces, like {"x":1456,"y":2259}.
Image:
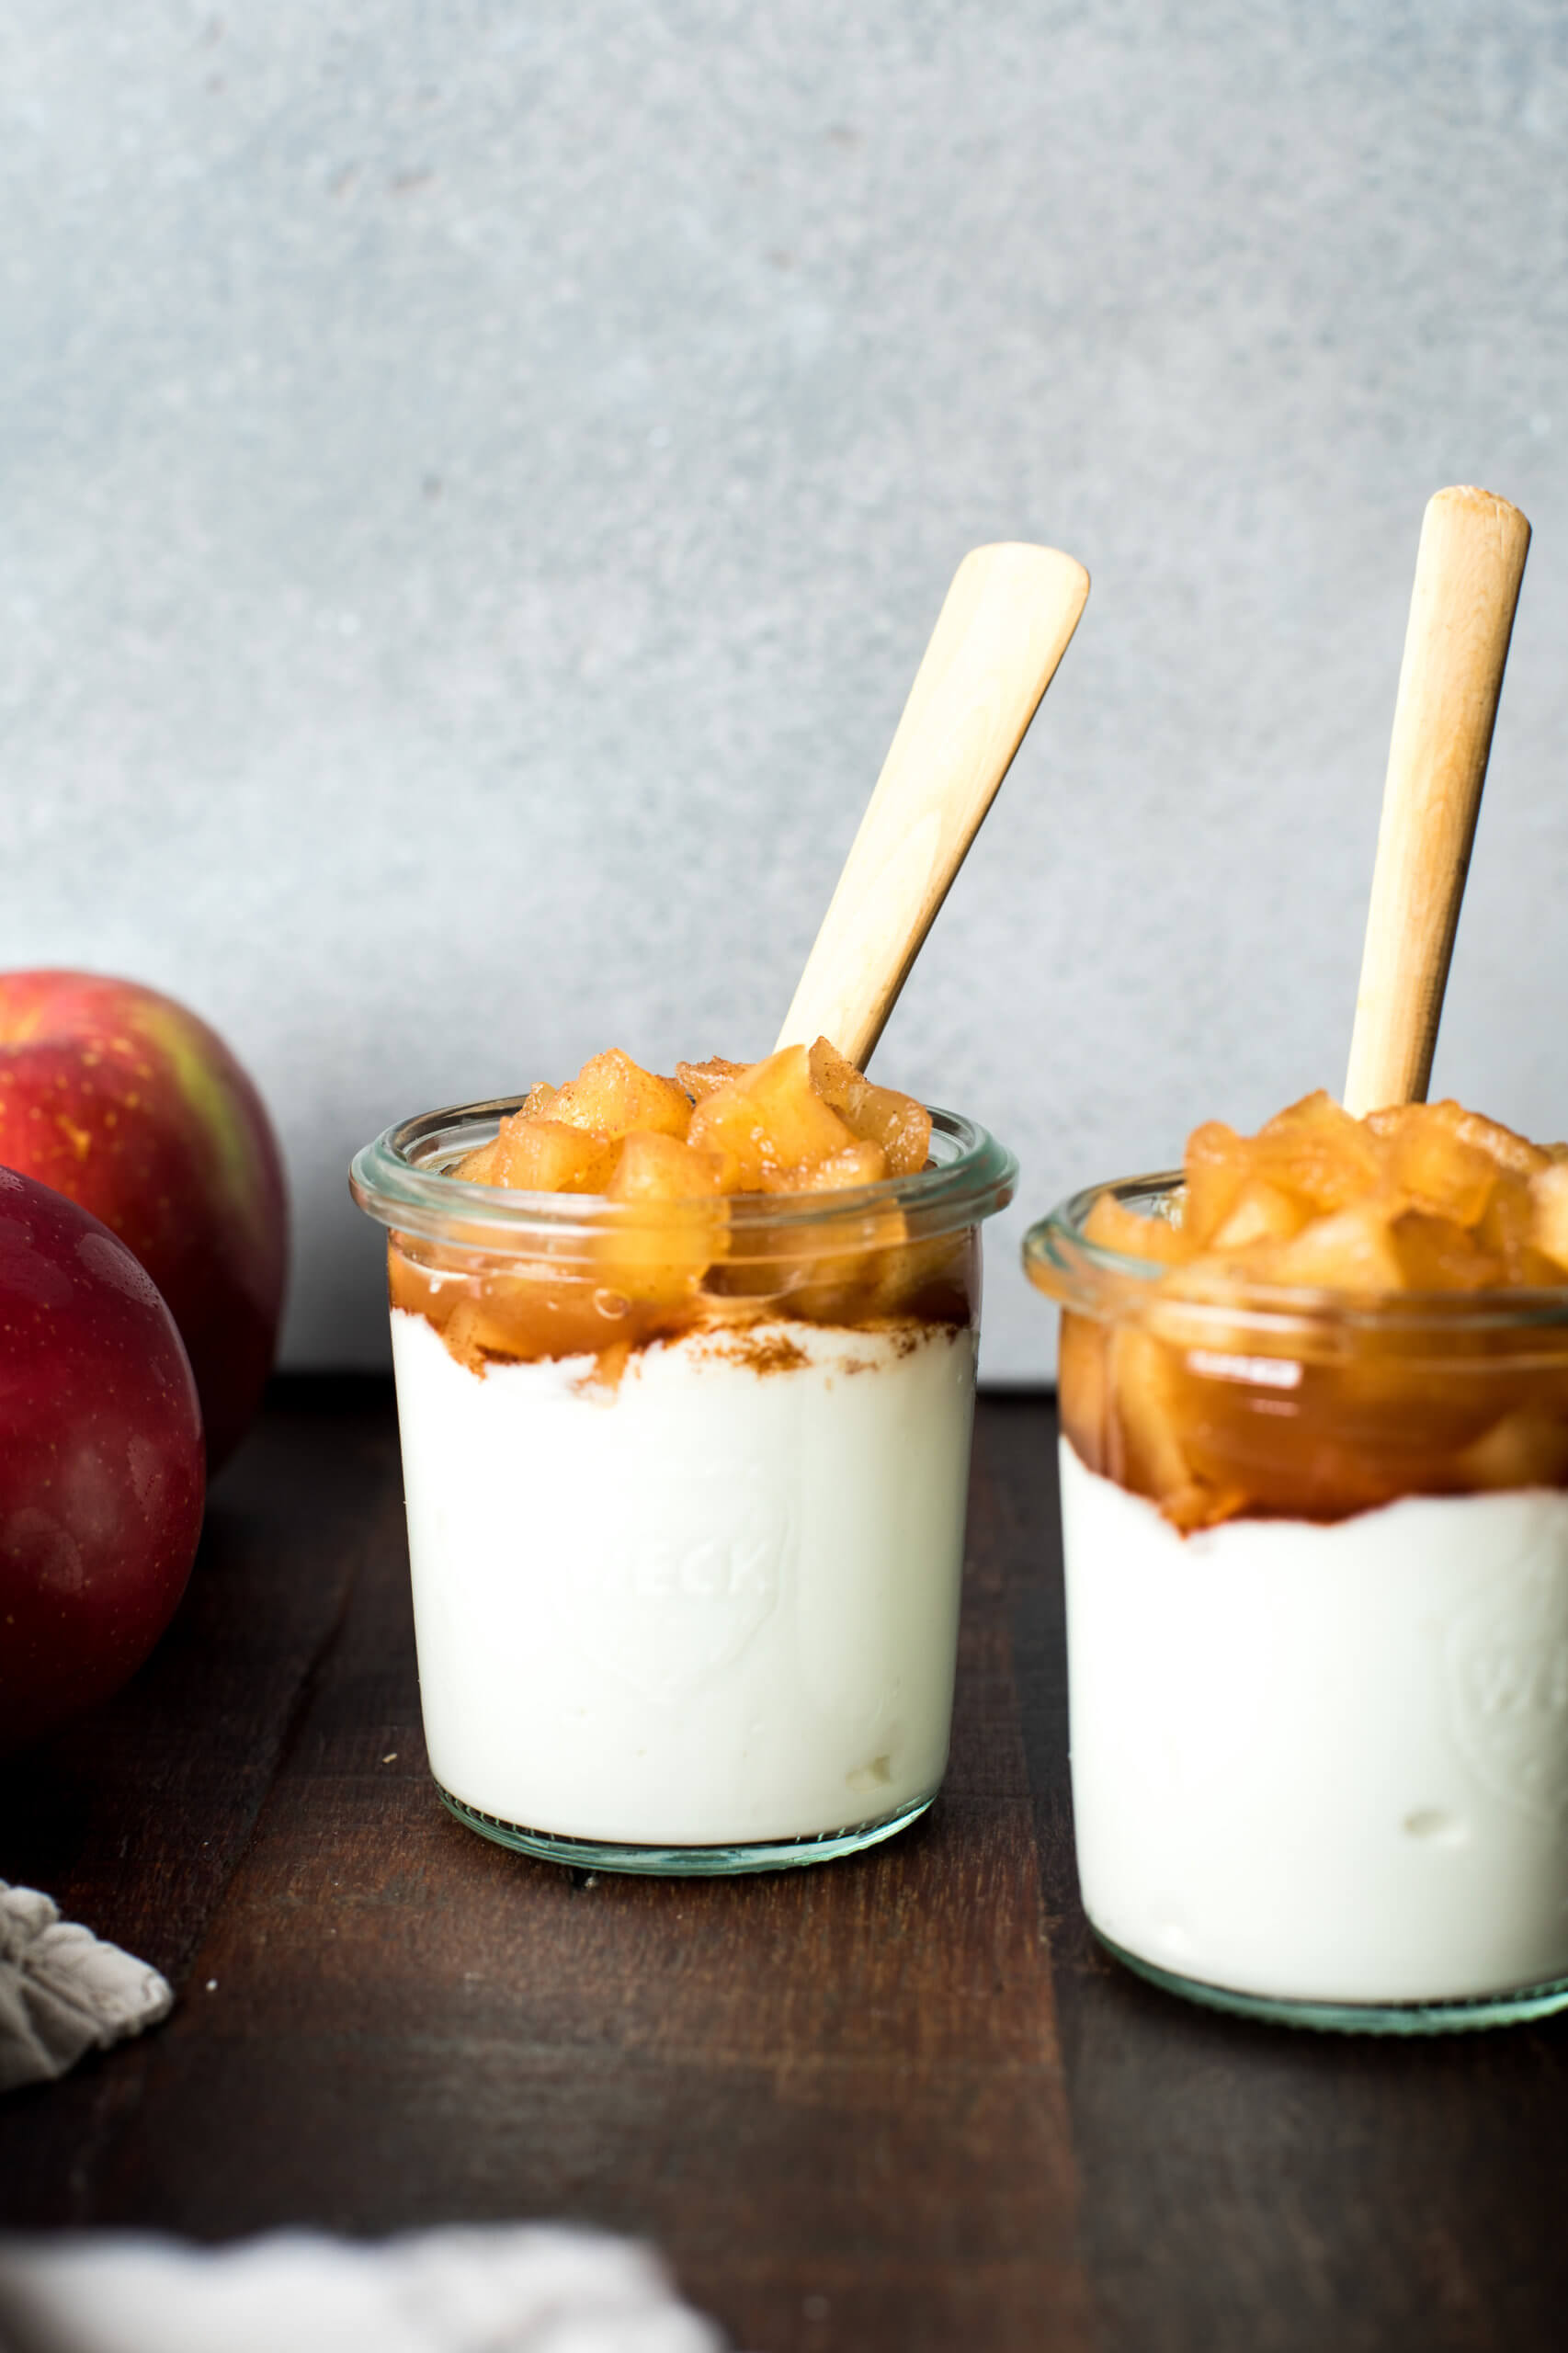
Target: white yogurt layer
{"x":1324,"y":1763}
{"x":711,"y":1606}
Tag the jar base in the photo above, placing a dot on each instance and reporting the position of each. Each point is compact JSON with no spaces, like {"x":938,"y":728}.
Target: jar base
{"x":1355,"y":2017}
{"x":686,"y":1862}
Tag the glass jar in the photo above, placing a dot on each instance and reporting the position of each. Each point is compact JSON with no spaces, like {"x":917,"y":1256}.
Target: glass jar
{"x":686,"y":1489}
{"x":1317,"y":1552}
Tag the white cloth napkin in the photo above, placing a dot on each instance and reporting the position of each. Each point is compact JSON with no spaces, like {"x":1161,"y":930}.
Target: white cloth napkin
{"x":530,"y":2287}
{"x":62,"y":1991}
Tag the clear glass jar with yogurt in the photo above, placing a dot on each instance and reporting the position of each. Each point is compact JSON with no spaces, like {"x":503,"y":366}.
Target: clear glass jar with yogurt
{"x":685,"y":1554}
{"x":1319,"y":1695}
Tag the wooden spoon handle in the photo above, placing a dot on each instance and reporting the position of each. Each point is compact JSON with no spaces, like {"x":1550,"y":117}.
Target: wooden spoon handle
{"x":1468,"y":570}
{"x":1004,"y":628}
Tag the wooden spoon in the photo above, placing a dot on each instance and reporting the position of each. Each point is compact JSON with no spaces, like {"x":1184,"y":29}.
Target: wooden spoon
{"x":1005,"y":626}
{"x":1468,"y":570}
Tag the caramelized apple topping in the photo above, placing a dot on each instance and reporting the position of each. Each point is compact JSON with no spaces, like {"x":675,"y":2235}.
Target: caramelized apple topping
{"x":801,"y":1121}
{"x":1288,"y":1418}
{"x":672,"y":1151}
{"x":1427,"y":1197}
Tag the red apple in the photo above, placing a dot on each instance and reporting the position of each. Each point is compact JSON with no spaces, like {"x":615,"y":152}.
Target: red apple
{"x":122,"y":1100}
{"x":100,"y":1461}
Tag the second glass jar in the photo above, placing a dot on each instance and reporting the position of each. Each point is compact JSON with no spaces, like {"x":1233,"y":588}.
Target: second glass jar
{"x":1317,"y":1552}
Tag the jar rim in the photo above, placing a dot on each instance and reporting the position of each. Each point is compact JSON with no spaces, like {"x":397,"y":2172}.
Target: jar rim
{"x":1091,"y":1279}
{"x":402,"y":1179}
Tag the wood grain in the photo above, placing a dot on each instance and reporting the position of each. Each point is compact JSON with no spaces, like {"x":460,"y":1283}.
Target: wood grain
{"x":834,"y":2096}
{"x":1006,"y":623}
{"x":900,"y":2104}
{"x":1468,"y":570}
{"x":136,"y":1818}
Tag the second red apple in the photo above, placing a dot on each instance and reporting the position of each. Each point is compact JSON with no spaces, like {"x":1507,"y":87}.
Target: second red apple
{"x":127,"y":1103}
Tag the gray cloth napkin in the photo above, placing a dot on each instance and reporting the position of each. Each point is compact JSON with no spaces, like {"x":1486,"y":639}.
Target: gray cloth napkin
{"x":503,"y":2289}
{"x":64,"y":1991}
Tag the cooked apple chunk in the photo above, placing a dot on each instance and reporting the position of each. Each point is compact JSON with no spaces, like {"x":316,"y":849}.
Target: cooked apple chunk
{"x":548,"y":1156}
{"x":1439,"y":1170}
{"x":1111,"y":1225}
{"x":858,"y":1163}
{"x":1549,"y":1206}
{"x":774,"y":1106}
{"x":703,"y":1079}
{"x":876,"y":1114}
{"x":1261,"y":1212}
{"x":1215,"y":1168}
{"x":1317,"y":1153}
{"x":612,"y":1095}
{"x":482,"y":1166}
{"x":1350,"y":1250}
{"x":662,"y":1258}
{"x":1528,"y":1448}
{"x":655,"y":1168}
{"x":730,"y":1123}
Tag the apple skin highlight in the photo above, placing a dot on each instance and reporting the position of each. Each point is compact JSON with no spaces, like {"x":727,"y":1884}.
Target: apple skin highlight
{"x":128,"y":1104}
{"x":101,"y":1480}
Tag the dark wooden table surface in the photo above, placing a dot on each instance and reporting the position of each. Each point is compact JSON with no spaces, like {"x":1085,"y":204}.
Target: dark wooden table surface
{"x":895,"y":2102}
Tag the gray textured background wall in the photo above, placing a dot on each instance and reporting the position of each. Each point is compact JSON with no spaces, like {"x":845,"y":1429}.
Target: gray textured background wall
{"x":478,"y":479}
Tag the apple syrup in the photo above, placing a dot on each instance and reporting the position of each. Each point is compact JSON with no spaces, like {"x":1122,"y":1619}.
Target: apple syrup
{"x":673,"y":1153}
{"x":1346,"y":1312}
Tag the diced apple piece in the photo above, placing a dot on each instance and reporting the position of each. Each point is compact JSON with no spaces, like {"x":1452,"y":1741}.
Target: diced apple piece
{"x":1081,"y":1385}
{"x":1317,"y":1152}
{"x":473,"y":1331}
{"x":1313,"y":1114}
{"x":876,"y":1114}
{"x":1538,"y":1271}
{"x":1260,"y":1212}
{"x":858,"y":1163}
{"x":1439,"y":1254}
{"x":1439,"y":1170}
{"x":1549,"y":1212}
{"x":1525,"y":1448}
{"x":1218,"y":1165}
{"x":703,"y":1079}
{"x":1508,"y":1226}
{"x":799,"y":1126}
{"x":908,"y":1277}
{"x":651,"y":1166}
{"x":1145,"y":1434}
{"x":536,"y":1103}
{"x":770,"y":1118}
{"x":1111,"y":1225}
{"x":858,"y":1268}
{"x":728,"y":1121}
{"x":612,"y":1095}
{"x":501,"y":1316}
{"x":834,"y":1076}
{"x":1513,"y":1153}
{"x":482,"y":1166}
{"x":1350,"y":1251}
{"x":548,"y":1156}
{"x":662,"y":1256}
{"x":1198,"y":1505}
